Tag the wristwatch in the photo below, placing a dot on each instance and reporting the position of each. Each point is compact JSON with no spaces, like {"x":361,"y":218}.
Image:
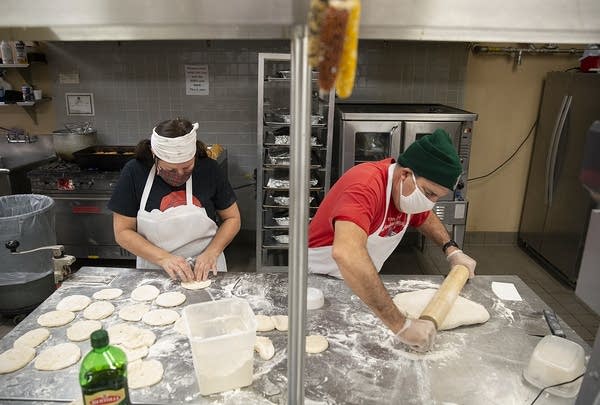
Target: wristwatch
{"x":451,"y":242}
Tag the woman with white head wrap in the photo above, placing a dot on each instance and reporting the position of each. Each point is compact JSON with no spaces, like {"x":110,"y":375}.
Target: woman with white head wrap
{"x":166,"y":203}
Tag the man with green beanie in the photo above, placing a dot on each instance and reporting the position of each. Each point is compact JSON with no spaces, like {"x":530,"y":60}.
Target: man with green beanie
{"x":365,"y":215}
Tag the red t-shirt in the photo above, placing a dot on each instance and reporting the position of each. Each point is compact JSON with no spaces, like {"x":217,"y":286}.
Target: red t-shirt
{"x":359,"y":197}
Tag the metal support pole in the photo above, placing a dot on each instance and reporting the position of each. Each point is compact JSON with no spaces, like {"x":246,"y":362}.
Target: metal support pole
{"x":300,"y":108}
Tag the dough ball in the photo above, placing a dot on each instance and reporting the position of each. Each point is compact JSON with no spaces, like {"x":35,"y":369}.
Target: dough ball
{"x":195,"y":285}
{"x":170,"y":299}
{"x":33,"y":338}
{"x":58,"y":357}
{"x":264,"y":323}
{"x":133,"y":312}
{"x":160,"y":317}
{"x":145,"y":293}
{"x":264,"y":346}
{"x":134,"y":354}
{"x":81,"y":330}
{"x":55,"y":318}
{"x":108,"y":294}
{"x":99,"y":310}
{"x":73,"y":303}
{"x":15,"y":359}
{"x":144,"y":373}
{"x":280,"y":322}
{"x":316,"y":344}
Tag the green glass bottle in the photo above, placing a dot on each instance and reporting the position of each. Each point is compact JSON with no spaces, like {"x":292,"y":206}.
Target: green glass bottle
{"x":103,"y":373}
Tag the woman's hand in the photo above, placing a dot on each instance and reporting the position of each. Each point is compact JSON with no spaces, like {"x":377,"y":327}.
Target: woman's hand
{"x":177,"y":268}
{"x":205,"y":263}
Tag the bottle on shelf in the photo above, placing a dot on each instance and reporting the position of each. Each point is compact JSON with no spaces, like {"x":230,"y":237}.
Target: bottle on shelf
{"x":20,"y":53}
{"x":103,"y":373}
{"x":6,"y":52}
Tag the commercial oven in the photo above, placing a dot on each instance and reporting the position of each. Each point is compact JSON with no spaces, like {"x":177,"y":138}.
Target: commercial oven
{"x":371,"y":132}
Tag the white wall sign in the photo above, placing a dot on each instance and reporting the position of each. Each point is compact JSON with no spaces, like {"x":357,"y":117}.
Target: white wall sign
{"x":196,"y":80}
{"x":80,"y":103}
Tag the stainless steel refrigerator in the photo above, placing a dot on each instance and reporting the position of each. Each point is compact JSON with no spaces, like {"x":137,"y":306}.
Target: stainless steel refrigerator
{"x":556,"y":208}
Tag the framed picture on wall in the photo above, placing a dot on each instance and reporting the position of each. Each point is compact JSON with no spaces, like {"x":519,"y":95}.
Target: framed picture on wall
{"x":80,"y":103}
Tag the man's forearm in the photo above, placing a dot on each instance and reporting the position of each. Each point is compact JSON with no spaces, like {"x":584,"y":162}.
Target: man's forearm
{"x":433,"y":229}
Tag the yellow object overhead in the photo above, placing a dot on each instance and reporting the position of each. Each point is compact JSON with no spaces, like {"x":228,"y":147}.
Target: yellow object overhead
{"x":347,"y":67}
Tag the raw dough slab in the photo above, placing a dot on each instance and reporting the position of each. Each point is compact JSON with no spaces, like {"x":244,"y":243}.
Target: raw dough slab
{"x":99,"y":310}
{"x":280,"y":322}
{"x":33,"y":338}
{"x":160,"y":317}
{"x":264,"y":323}
{"x":81,"y":330}
{"x":15,"y":359}
{"x":55,"y":318}
{"x":145,"y":293}
{"x":264,"y":346}
{"x":58,"y":357}
{"x":133,"y":312}
{"x":144,"y":373}
{"x":170,"y":299}
{"x":463,"y":312}
{"x":108,"y":294}
{"x":316,"y":344}
{"x":196,"y":285}
{"x":73,"y":303}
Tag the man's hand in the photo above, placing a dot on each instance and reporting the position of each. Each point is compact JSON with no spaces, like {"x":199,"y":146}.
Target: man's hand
{"x":458,"y":257}
{"x":205,"y":263}
{"x":177,"y":268}
{"x":418,"y":334}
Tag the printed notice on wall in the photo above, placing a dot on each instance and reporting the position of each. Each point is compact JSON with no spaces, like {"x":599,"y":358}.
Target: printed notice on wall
{"x":196,"y":80}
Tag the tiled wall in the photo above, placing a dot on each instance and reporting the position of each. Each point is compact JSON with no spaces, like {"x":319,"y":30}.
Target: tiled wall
{"x":137,"y":84}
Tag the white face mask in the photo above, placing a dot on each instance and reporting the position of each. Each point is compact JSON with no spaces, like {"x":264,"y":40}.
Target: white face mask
{"x":415,"y":202}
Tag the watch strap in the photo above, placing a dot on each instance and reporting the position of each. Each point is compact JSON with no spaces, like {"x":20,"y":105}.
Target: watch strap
{"x":451,"y":242}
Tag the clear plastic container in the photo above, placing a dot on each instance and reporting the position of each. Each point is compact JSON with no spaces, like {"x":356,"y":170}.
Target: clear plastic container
{"x":222,"y":335}
{"x":556,"y":360}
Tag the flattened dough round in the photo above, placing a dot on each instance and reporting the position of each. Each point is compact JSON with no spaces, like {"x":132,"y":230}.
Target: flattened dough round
{"x":99,"y":310}
{"x":264,"y":346}
{"x":463,"y":312}
{"x":280,"y":322}
{"x":108,"y":294}
{"x":134,"y":354}
{"x":58,"y":357}
{"x":160,"y":317}
{"x":73,"y":303}
{"x":196,"y":285}
{"x":145,"y":293}
{"x":81,"y":330}
{"x":133,"y":312}
{"x":316,"y":344}
{"x":130,"y":336}
{"x":144,"y":373}
{"x":180,"y":327}
{"x":15,"y":359}
{"x":170,"y":299}
{"x":55,"y":318}
{"x":264,"y":323}
{"x":33,"y":338}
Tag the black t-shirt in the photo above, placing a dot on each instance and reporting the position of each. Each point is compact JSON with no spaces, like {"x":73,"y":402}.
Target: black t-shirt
{"x":210,"y":189}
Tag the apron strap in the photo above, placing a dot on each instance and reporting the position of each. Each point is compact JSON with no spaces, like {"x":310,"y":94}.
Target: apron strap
{"x":388,"y":195}
{"x":147,"y":187}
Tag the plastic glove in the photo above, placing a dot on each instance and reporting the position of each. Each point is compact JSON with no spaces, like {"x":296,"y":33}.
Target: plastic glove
{"x":418,"y":334}
{"x":204,"y":264}
{"x":177,"y":268}
{"x":459,"y":257}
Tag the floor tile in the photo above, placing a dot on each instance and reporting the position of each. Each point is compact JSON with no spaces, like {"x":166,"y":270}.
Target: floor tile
{"x":591,"y":322}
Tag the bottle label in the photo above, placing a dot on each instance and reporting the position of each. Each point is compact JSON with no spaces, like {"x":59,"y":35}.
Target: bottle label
{"x":105,"y":397}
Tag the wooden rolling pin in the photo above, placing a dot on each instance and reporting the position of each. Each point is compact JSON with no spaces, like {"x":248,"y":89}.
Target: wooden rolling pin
{"x":444,"y":298}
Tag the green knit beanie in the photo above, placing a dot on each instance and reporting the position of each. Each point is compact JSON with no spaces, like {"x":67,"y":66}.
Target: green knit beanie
{"x":433,"y":157}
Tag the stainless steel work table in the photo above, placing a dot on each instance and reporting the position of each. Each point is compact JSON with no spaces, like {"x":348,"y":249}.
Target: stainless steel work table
{"x":468,"y":365}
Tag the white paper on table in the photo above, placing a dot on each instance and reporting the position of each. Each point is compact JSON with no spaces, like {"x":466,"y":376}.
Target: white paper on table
{"x":506,"y":291}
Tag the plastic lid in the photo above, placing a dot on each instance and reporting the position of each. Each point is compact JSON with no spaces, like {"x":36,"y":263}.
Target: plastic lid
{"x":99,"y":338}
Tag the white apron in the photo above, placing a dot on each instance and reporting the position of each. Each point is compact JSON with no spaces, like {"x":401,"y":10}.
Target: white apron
{"x":380,"y":248}
{"x":184,"y":230}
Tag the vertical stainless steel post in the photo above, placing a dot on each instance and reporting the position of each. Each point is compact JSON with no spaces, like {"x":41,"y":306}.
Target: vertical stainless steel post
{"x":300,"y":104}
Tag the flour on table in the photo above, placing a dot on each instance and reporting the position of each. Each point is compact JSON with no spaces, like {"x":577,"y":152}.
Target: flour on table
{"x":134,"y":354}
{"x":264,"y":346}
{"x":73,"y":303}
{"x":81,"y":330}
{"x":15,"y":359}
{"x":463,"y":312}
{"x":264,"y":323}
{"x":144,"y":373}
{"x":33,"y":338}
{"x":108,"y":294}
{"x":170,"y":299}
{"x":316,"y":344}
{"x":280,"y":322}
{"x":99,"y":310}
{"x":58,"y":357}
{"x":196,"y":285}
{"x":145,"y":293}
{"x":55,"y":318}
{"x":160,"y":317}
{"x":133,"y":312}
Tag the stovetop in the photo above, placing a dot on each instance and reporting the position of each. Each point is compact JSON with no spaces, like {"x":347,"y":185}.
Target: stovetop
{"x":66,"y":177}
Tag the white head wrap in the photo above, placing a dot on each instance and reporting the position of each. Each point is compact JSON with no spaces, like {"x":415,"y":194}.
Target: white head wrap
{"x":174,"y":150}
